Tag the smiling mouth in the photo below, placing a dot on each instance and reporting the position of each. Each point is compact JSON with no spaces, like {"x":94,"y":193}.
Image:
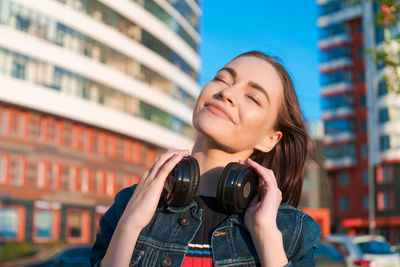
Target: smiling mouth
{"x":214,"y":109}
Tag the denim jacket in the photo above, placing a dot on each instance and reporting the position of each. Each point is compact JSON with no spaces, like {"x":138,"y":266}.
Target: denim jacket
{"x":164,"y":241}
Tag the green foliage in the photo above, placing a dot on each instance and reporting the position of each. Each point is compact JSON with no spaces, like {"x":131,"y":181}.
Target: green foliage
{"x":13,"y":250}
{"x":388,"y":16}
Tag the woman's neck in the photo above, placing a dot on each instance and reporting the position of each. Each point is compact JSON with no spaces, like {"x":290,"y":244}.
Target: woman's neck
{"x":212,"y":160}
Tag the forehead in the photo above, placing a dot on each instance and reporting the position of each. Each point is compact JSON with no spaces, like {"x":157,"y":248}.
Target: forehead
{"x":257,"y":70}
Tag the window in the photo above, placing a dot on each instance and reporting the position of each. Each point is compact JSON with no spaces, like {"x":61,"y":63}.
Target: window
{"x":364,"y":151}
{"x":344,"y":178}
{"x":78,"y":226}
{"x":4,"y":120}
{"x":85,"y":180}
{"x":111,"y":145}
{"x":385,"y":174}
{"x":100,"y":182}
{"x":365,"y":178}
{"x":67,"y":134}
{"x":384,"y":142}
{"x":12,"y":218}
{"x":34,"y":126}
{"x":65,"y":177}
{"x":344,"y":203}
{"x":3,"y":168}
{"x":121,"y":146}
{"x":383,"y":115}
{"x":361,"y":76}
{"x":363,"y":100}
{"x":364,"y":125}
{"x":382,"y":88}
{"x":17,"y":123}
{"x":136,"y":152}
{"x":385,"y":200}
{"x":51,"y":129}
{"x":44,"y":225}
{"x":17,"y":170}
{"x":365,"y":202}
{"x":110,"y":183}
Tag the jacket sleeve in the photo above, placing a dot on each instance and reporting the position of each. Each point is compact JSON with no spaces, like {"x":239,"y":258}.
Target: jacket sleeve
{"x":307,"y":241}
{"x":108,"y":223}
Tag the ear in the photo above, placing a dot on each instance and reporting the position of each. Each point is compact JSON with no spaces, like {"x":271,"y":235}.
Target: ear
{"x":269,"y":142}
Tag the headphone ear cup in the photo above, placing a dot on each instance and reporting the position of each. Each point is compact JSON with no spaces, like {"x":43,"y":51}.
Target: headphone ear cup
{"x":237,"y":187}
{"x":194,"y":180}
{"x":183,"y":181}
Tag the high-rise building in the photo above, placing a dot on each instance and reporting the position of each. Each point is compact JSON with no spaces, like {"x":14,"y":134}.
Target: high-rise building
{"x":90,"y":92}
{"x":360,"y":119}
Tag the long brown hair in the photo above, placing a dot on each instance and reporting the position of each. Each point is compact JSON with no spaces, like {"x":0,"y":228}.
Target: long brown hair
{"x":287,"y":159}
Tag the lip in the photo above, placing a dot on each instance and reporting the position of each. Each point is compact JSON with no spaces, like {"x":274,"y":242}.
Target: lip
{"x":218,"y":111}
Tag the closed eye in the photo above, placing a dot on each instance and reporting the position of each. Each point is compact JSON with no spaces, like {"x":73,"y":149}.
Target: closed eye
{"x":254,"y":99}
{"x":219,"y":80}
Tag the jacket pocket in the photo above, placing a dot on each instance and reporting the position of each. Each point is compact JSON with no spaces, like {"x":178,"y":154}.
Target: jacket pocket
{"x":136,"y":256}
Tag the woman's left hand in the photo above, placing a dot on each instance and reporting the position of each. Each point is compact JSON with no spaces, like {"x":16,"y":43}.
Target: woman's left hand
{"x":261,"y":214}
{"x":260,"y":219}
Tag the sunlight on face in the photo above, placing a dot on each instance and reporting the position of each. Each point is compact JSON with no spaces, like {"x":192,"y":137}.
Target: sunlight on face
{"x":239,"y":107}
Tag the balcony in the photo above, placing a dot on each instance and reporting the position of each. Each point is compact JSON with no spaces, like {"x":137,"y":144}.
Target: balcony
{"x":342,"y":162}
{"x":336,"y":88}
{"x":337,"y":112}
{"x":338,"y":137}
{"x":336,"y":64}
{"x":334,"y":41}
{"x":345,"y":14}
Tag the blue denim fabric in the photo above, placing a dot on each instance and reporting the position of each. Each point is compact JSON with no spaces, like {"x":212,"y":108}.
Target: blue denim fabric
{"x":231,"y":243}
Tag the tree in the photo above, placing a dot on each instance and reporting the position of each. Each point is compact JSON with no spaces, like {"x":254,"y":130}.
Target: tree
{"x":388,"y":52}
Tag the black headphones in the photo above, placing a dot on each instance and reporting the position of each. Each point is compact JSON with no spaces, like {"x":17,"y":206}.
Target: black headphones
{"x":237,"y":185}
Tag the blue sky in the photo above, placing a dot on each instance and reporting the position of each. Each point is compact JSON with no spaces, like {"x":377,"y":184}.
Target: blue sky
{"x":286,"y":29}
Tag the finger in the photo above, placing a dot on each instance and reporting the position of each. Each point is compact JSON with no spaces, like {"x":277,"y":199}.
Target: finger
{"x":267,"y":175}
{"x":165,"y":169}
{"x":161,"y":161}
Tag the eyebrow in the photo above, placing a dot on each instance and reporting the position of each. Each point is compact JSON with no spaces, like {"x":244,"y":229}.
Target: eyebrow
{"x":259,"y":88}
{"x":254,"y":85}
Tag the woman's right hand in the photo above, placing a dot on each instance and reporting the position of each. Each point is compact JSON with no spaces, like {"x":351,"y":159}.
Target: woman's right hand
{"x":143,"y":203}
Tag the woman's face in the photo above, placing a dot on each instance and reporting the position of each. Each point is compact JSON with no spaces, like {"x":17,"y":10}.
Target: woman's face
{"x":239,"y":107}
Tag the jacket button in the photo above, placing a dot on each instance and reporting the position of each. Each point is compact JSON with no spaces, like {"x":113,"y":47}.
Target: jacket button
{"x":166,"y":262}
{"x":184,"y":221}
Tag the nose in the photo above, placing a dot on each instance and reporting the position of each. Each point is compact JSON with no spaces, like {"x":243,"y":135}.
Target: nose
{"x":228,"y":95}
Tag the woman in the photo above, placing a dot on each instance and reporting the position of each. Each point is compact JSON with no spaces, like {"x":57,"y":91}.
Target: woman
{"x":249,"y":113}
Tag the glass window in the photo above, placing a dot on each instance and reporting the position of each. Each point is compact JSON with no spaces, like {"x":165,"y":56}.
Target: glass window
{"x":382,"y":88}
{"x":110,"y":183}
{"x":364,"y":151}
{"x":384,"y":142}
{"x":3,"y":168}
{"x":9,"y":218}
{"x":338,"y":126}
{"x":365,"y":203}
{"x":344,"y":178}
{"x":365,"y":179}
{"x":74,"y":221}
{"x":4,"y":120}
{"x":16,"y":171}
{"x":344,"y":204}
{"x":44,"y":223}
{"x":383,"y":115}
{"x":385,"y":200}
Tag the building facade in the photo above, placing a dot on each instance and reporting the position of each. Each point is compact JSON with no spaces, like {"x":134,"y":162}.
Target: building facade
{"x":90,"y":92}
{"x":355,"y":106}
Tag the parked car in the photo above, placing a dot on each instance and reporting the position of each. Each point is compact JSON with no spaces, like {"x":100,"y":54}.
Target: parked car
{"x":365,"y":250}
{"x":71,"y":257}
{"x":326,"y":255}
